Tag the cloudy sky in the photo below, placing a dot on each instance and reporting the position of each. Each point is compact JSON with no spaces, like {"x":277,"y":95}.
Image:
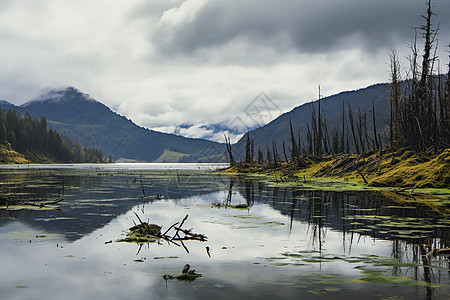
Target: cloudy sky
{"x":179,"y":65}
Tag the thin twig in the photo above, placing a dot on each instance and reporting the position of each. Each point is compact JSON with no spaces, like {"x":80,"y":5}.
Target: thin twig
{"x":169,"y":229}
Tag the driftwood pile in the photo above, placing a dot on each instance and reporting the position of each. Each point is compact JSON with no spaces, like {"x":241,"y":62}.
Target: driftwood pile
{"x":144,"y":232}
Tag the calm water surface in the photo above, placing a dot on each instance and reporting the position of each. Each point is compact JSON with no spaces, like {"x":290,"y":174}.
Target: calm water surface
{"x":290,"y":243}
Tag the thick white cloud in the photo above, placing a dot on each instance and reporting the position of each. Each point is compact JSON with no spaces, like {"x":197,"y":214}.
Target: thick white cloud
{"x":167,"y":63}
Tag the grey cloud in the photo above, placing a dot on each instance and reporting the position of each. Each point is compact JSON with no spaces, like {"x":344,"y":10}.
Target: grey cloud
{"x":163,"y":63}
{"x":150,"y":8}
{"x":302,"y":26}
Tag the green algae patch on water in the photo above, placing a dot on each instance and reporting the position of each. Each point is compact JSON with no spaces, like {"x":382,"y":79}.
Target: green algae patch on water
{"x":21,"y":286}
{"x":27,"y":207}
{"x":186,"y":277}
{"x":273,"y":223}
{"x":324,"y":290}
{"x":378,"y":276}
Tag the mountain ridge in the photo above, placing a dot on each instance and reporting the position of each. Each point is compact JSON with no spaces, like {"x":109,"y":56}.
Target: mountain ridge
{"x":90,"y":122}
{"x":64,"y":115}
{"x":331,"y":106}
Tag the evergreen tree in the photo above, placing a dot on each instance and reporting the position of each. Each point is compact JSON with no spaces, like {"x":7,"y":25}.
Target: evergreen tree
{"x":30,"y":136}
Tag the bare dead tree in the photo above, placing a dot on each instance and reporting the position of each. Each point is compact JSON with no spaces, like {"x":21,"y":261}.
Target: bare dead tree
{"x":394,"y":101}
{"x":301,"y":149}
{"x":229,"y":151}
{"x":360,"y":126}
{"x":276,"y":157}
{"x":284,"y":151}
{"x":319,"y":129}
{"x":269,"y":155}
{"x":260,"y":156}
{"x":314,"y":131}
{"x":418,"y":116}
{"x":375,"y":136}
{"x":343,"y":128}
{"x":325,"y":136}
{"x":249,"y":149}
{"x":295,"y":149}
{"x":445,"y":115}
{"x":309,"y":141}
{"x":352,"y":126}
{"x":335,"y":142}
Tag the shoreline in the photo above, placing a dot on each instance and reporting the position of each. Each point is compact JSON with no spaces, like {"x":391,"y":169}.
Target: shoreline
{"x":383,"y":169}
{"x":403,"y":176}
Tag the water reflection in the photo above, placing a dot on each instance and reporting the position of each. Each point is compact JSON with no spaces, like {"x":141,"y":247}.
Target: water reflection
{"x":414,"y":231}
{"x":288,"y":242}
{"x":93,"y":199}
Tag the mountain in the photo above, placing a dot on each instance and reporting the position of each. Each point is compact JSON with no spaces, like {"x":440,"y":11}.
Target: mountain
{"x":82,"y":118}
{"x":5,"y":105}
{"x":331,"y":107}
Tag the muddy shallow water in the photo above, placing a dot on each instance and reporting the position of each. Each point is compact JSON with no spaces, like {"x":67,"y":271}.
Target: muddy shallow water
{"x":289,"y":243}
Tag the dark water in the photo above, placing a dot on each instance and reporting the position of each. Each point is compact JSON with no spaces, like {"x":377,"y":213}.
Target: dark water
{"x":290,"y":243}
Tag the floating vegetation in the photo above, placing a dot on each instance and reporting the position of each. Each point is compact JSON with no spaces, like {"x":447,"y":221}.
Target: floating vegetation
{"x":374,"y":275}
{"x":273,"y":223}
{"x":372,"y":268}
{"x":324,"y":290}
{"x":301,"y":258}
{"x":242,"y":206}
{"x":187,"y":275}
{"x":183,"y":277}
{"x":71,"y":256}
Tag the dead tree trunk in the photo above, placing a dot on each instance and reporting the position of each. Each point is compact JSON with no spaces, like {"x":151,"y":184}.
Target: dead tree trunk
{"x":352,"y":126}
{"x":230,"y":152}
{"x":375,"y":136}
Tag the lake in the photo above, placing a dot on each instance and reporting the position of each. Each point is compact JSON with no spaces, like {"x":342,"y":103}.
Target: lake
{"x":285,"y":242}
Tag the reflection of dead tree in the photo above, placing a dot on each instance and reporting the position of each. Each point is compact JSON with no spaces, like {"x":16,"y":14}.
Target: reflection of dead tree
{"x":249,"y":197}
{"x":8,"y":199}
{"x":316,"y":214}
{"x":230,"y":194}
{"x":249,"y":193}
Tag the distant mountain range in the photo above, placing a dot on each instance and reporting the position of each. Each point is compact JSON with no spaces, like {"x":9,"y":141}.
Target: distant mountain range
{"x":331,"y":107}
{"x":82,"y":118}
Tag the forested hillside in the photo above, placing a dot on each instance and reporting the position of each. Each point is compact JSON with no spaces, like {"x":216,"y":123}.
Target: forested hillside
{"x":31,"y":137}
